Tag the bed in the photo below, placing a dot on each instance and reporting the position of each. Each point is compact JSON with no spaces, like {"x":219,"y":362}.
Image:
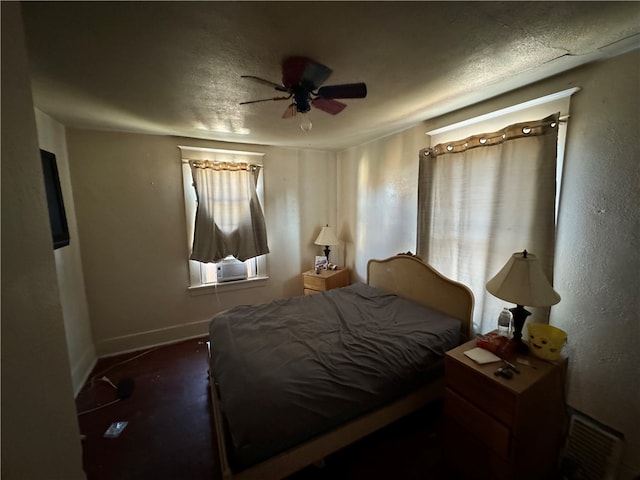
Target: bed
{"x":297,"y":379}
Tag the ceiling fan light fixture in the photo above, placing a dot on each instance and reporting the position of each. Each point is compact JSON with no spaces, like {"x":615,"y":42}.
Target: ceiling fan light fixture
{"x":305,"y":122}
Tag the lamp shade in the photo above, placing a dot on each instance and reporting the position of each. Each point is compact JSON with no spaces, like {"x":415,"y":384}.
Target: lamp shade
{"x":522,"y":281}
{"x":327,"y":237}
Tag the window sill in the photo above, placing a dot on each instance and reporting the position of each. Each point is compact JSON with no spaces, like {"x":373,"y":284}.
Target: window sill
{"x":211,"y":288}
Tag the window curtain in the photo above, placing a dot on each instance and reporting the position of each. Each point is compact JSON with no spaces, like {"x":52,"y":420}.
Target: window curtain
{"x":483,"y":198}
{"x":229,"y":218}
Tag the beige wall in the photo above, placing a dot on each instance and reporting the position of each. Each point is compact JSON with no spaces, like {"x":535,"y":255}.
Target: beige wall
{"x":75,"y":310}
{"x":597,"y":256}
{"x":597,"y":259}
{"x":40,"y":435}
{"x":130,"y":207}
{"x":377,"y":198}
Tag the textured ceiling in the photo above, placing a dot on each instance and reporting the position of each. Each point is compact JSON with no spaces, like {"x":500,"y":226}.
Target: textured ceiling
{"x":174,"y":67}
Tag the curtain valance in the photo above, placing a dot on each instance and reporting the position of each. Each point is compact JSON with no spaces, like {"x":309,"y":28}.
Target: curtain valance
{"x":224,"y":166}
{"x":517,"y":130}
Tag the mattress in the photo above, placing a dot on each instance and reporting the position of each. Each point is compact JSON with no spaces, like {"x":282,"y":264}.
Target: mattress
{"x":293,"y":368}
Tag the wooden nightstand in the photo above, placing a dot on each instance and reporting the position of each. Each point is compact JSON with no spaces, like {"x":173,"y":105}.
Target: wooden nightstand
{"x":325,"y":280}
{"x":497,"y":428}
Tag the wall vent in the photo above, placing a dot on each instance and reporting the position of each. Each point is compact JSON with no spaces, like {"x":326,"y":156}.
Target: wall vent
{"x":591,"y":450}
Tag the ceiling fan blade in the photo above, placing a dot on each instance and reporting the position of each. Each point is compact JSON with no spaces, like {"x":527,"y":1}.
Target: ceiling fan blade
{"x":328,"y":105}
{"x":278,"y":87}
{"x":346,"y":90}
{"x":315,"y":74}
{"x":290,"y":111}
{"x":304,"y":71}
{"x":266,"y":100}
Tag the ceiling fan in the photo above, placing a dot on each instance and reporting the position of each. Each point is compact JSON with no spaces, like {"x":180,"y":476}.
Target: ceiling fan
{"x":301,"y":80}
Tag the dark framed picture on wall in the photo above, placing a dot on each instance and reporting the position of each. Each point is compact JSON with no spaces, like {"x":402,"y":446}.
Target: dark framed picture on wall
{"x":55,"y":202}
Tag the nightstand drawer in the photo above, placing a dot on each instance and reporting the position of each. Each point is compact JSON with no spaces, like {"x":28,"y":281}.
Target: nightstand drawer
{"x":490,"y":433}
{"x":468,"y":457}
{"x":316,"y":282}
{"x":486,"y":395}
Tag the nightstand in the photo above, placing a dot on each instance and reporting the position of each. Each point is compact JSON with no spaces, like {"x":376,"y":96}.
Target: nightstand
{"x":325,"y":280}
{"x":497,"y":428}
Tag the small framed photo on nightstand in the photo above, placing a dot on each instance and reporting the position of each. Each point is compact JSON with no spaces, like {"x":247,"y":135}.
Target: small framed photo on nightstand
{"x":321,"y":263}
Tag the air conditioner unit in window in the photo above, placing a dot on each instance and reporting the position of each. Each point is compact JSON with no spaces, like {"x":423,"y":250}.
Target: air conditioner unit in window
{"x":230,"y":269}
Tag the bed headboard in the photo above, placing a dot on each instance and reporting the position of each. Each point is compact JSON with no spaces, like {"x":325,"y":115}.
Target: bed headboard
{"x":411,"y":278}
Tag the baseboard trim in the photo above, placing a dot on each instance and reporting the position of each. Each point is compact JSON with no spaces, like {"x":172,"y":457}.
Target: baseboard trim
{"x":151,"y":338}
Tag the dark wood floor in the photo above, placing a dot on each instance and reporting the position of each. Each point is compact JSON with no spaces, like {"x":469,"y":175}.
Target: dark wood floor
{"x":170,"y":434}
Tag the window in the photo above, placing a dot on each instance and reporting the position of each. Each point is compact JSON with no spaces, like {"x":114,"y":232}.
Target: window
{"x":484,"y":196}
{"x":537,"y":108}
{"x":229,"y":183}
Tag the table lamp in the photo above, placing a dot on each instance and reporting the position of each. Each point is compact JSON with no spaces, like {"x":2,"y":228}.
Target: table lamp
{"x":522,"y":281}
{"x":327,"y":238}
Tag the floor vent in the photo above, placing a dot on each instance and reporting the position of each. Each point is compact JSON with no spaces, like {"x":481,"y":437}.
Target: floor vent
{"x":591,"y":452}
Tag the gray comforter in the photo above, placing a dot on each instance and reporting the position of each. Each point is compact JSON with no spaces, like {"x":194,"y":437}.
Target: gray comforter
{"x":290,"y":369}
